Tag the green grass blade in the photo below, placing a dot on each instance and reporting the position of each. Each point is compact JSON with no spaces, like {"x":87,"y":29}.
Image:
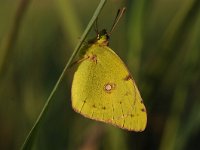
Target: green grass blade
{"x":32,"y":134}
{"x":9,"y":41}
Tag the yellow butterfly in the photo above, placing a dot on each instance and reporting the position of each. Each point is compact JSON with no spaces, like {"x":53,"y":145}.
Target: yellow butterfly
{"x":104,"y":90}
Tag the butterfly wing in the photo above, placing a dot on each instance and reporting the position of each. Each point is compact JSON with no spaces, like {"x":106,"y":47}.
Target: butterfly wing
{"x":104,"y":90}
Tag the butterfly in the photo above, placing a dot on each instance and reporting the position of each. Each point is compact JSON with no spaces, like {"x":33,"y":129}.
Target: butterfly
{"x":103,"y":88}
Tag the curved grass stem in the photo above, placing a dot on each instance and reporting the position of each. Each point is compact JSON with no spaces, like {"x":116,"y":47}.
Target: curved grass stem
{"x":32,"y":134}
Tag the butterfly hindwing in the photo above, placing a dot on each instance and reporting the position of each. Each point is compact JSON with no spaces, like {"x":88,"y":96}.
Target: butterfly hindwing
{"x":104,"y":90}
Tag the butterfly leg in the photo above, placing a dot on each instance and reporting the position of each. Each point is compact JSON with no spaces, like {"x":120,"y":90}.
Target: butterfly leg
{"x":78,"y":61}
{"x":91,"y":57}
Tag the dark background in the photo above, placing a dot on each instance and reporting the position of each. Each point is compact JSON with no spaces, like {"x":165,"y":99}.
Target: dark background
{"x":159,"y":40}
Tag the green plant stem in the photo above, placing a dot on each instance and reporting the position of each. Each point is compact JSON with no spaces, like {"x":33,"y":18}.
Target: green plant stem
{"x":29,"y":139}
{"x":135,"y":34}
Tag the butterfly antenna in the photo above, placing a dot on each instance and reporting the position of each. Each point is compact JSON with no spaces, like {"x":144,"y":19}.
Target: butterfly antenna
{"x":120,"y":13}
{"x":96,"y":26}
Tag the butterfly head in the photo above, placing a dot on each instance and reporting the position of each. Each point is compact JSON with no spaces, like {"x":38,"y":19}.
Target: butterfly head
{"x":102,"y":37}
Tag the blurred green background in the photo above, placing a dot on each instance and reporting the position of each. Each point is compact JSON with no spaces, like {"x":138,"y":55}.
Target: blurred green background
{"x":159,"y":40}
